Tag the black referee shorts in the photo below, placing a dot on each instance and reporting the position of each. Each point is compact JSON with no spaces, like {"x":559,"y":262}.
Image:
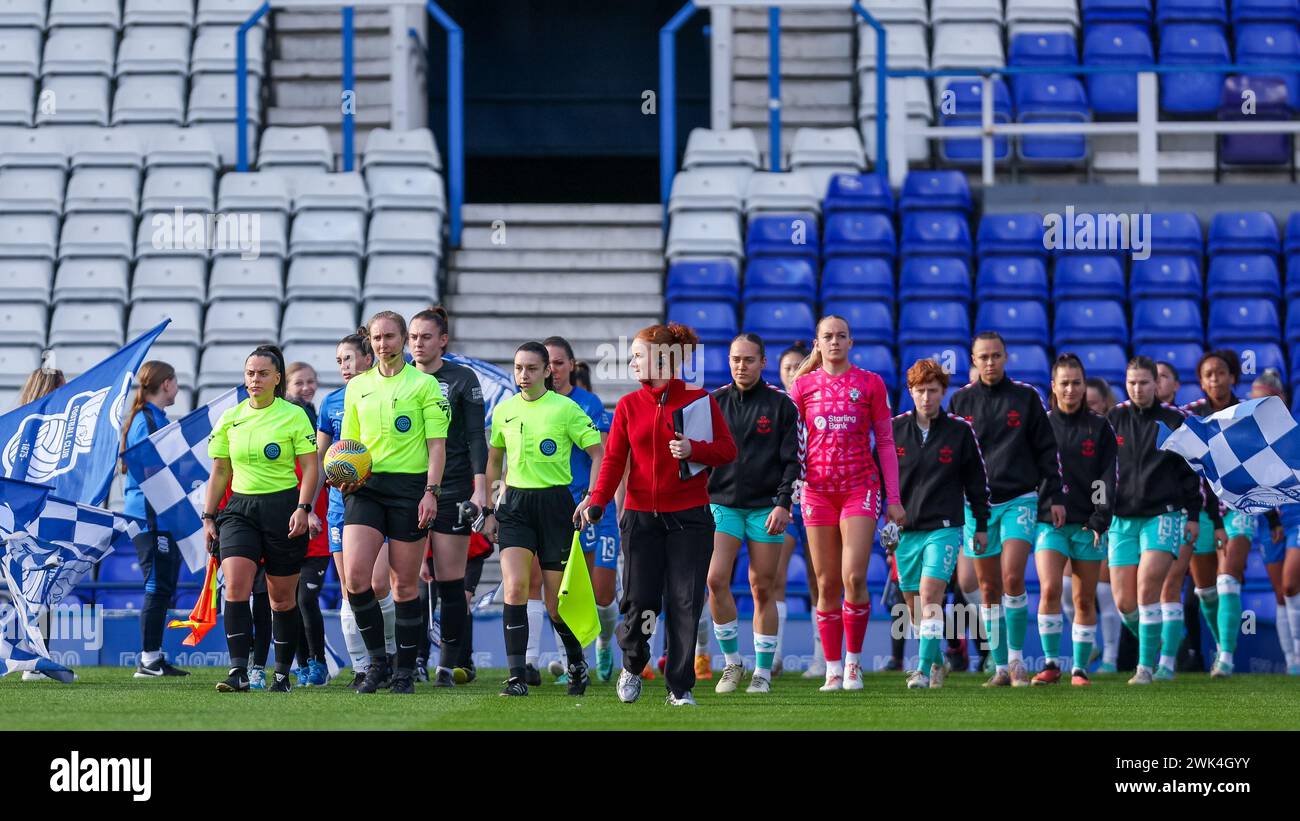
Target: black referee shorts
{"x":254,"y":527}
{"x":539,"y":519}
{"x":448,"y":518}
{"x":389,"y":502}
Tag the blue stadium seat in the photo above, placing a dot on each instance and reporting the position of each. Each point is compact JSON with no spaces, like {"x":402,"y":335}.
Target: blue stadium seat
{"x":703,"y":279}
{"x":1044,"y":48}
{"x":1116,"y":11}
{"x":936,"y":322}
{"x":1167,"y":320}
{"x":186,"y":599}
{"x":120,"y":567}
{"x":1265,"y":11}
{"x":717,"y":366}
{"x":1176,"y":232}
{"x":1192,"y":92}
{"x":953,"y":357}
{"x":1270,"y":43}
{"x":1029,"y":363}
{"x":780,"y":324}
{"x":1166,"y":276}
{"x":713,"y":321}
{"x":1256,"y":357}
{"x":1292,"y":233}
{"x":858,"y":277}
{"x":1016,"y":320}
{"x":1019,"y":235}
{"x":1187,"y":394}
{"x":797,"y":571}
{"x":1274,"y":99}
{"x":1243,"y":275}
{"x":1106,"y":361}
{"x":1192,"y":11}
{"x":1243,"y":320}
{"x":858,"y":234}
{"x":1182,"y":355}
{"x":1011,"y":278}
{"x":121,"y":599}
{"x":1244,"y":232}
{"x":878,"y":359}
{"x":782,"y":278}
{"x":1293,"y":323}
{"x":933,"y":233}
{"x":1052,"y":99}
{"x":858,"y":192}
{"x":783,"y":235}
{"x":930,"y":278}
{"x":1293,"y":276}
{"x":1089,"y":277}
{"x":1295,"y":368}
{"x":870,"y":322}
{"x":1086,"y":320}
{"x":906,"y":404}
{"x":965,"y":108}
{"x":930,"y":190}
{"x":1115,"y":45}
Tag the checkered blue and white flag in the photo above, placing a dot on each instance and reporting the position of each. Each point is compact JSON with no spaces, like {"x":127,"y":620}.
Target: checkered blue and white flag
{"x":173,"y":466}
{"x":1249,"y":453}
{"x":47,"y":546}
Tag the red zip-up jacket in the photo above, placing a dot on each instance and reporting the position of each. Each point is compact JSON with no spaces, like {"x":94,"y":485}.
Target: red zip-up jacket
{"x":641,"y":431}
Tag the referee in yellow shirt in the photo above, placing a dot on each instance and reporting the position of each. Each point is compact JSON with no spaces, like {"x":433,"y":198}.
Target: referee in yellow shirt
{"x":401,"y":416}
{"x":534,"y":432}
{"x":253,"y":449}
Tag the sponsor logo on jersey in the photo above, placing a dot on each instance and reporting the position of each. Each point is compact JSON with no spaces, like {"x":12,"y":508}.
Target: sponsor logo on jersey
{"x":1088,"y":448}
{"x":1013,"y":419}
{"x":763,"y":425}
{"x":945,"y":455}
{"x":402,"y":423}
{"x":547,"y":447}
{"x":271,"y":451}
{"x":819,"y":422}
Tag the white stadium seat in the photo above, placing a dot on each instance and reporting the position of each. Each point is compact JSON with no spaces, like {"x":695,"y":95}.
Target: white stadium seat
{"x":405,"y":232}
{"x":328,"y":232}
{"x":710,"y":188}
{"x":827,"y":146}
{"x":154,"y":50}
{"x":252,"y":191}
{"x":184,"y":316}
{"x":252,"y":322}
{"x":75,"y":100}
{"x":104,"y":189}
{"x":270,"y":229}
{"x":323,"y":277}
{"x":235,"y":278}
{"x":705,"y":233}
{"x":224,"y":137}
{"x":227,"y":12}
{"x":160,"y":234}
{"x":97,"y":235}
{"x":22,"y":324}
{"x":1041,"y":15}
{"x":86,"y":13}
{"x":403,"y":307}
{"x":32,"y":190}
{"x":20,"y":52}
{"x":414,"y":147}
{"x":898,"y":11}
{"x":331,"y":192}
{"x":915,"y":89}
{"x":320,"y":355}
{"x":23,"y":13}
{"x":784,"y":192}
{"x":150,"y":98}
{"x":182,"y":405}
{"x":397,"y":276}
{"x":905,"y":47}
{"x":966,"y":11}
{"x":707,"y":146}
{"x":159,"y":13}
{"x":169,"y":279}
{"x":80,"y":51}
{"x":113,"y":147}
{"x":182,"y":146}
{"x":315,"y":321}
{"x":398,"y":186}
{"x":296,"y":146}
{"x":26,"y":280}
{"x":74,"y":360}
{"x":17,"y":101}
{"x":221,"y":367}
{"x":169,"y":187}
{"x":29,"y":235}
{"x":213,"y":98}
{"x":17,"y":363}
{"x":87,"y":279}
{"x":86,"y":323}
{"x":214,"y":50}
{"x":34,"y":148}
{"x":184,"y":358}
{"x":968,"y":45}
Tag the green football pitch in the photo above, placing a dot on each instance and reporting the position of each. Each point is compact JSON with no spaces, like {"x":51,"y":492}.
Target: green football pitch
{"x":108,"y":698}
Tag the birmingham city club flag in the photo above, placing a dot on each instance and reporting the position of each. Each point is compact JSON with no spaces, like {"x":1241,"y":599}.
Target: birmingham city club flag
{"x":1249,"y":453}
{"x":173,"y":466}
{"x":69,"y":439}
{"x":47,"y":546}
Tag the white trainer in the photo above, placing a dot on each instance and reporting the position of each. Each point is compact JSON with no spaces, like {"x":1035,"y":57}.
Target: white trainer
{"x":759,"y":684}
{"x":852,"y":676}
{"x":685,"y":700}
{"x":833,"y":683}
{"x":916,"y":680}
{"x":938,"y":673}
{"x":629,"y":687}
{"x":732,"y":675}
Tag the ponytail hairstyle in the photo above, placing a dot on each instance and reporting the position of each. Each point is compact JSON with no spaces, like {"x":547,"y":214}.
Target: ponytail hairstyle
{"x":540,"y":350}
{"x":273,"y":353}
{"x":1102,"y":387}
{"x":581,"y":375}
{"x":360,"y":341}
{"x":150,"y":378}
{"x":561,"y":342}
{"x":679,"y":339}
{"x":1068,"y":360}
{"x":438,"y":316}
{"x":814,"y":360}
{"x":40,"y":382}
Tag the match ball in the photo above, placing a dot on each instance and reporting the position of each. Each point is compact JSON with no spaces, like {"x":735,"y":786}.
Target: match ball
{"x":347,"y":462}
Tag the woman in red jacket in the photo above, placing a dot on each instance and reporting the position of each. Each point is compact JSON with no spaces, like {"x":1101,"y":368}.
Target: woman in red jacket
{"x":666,"y":526}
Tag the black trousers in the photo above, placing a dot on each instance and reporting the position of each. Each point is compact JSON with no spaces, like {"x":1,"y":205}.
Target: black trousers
{"x":665,"y":564}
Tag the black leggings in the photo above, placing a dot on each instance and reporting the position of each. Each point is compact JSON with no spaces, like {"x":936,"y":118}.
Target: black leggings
{"x":311,"y":634}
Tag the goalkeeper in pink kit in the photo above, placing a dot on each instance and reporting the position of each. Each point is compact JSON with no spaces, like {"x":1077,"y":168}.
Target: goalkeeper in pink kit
{"x":841,"y":406}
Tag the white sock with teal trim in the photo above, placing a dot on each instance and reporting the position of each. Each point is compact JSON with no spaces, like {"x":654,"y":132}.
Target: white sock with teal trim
{"x":389,"y":609}
{"x":1293,"y":615}
{"x":781,"y":612}
{"x":1284,"y":638}
{"x":1050,"y":627}
{"x":764,"y":651}
{"x":728,"y":636}
{"x":536,"y":609}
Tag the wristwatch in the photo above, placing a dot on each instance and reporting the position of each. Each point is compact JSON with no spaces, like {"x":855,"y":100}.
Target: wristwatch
{"x":305,"y":508}
{"x":211,"y":516}
{"x":436,"y":490}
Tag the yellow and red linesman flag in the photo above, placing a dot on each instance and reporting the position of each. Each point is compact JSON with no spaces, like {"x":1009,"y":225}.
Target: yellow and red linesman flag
{"x":577,"y":603}
{"x":204,"y":615}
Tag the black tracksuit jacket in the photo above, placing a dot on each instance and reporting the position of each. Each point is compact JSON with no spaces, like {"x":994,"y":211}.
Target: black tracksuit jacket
{"x":765,"y":424}
{"x":1015,"y":437}
{"x":1088,"y":452}
{"x":1151,"y":481}
{"x":935,"y":474}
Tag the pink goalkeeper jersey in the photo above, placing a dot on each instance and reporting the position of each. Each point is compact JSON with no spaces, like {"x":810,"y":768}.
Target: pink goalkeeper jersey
{"x":839,"y":414}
